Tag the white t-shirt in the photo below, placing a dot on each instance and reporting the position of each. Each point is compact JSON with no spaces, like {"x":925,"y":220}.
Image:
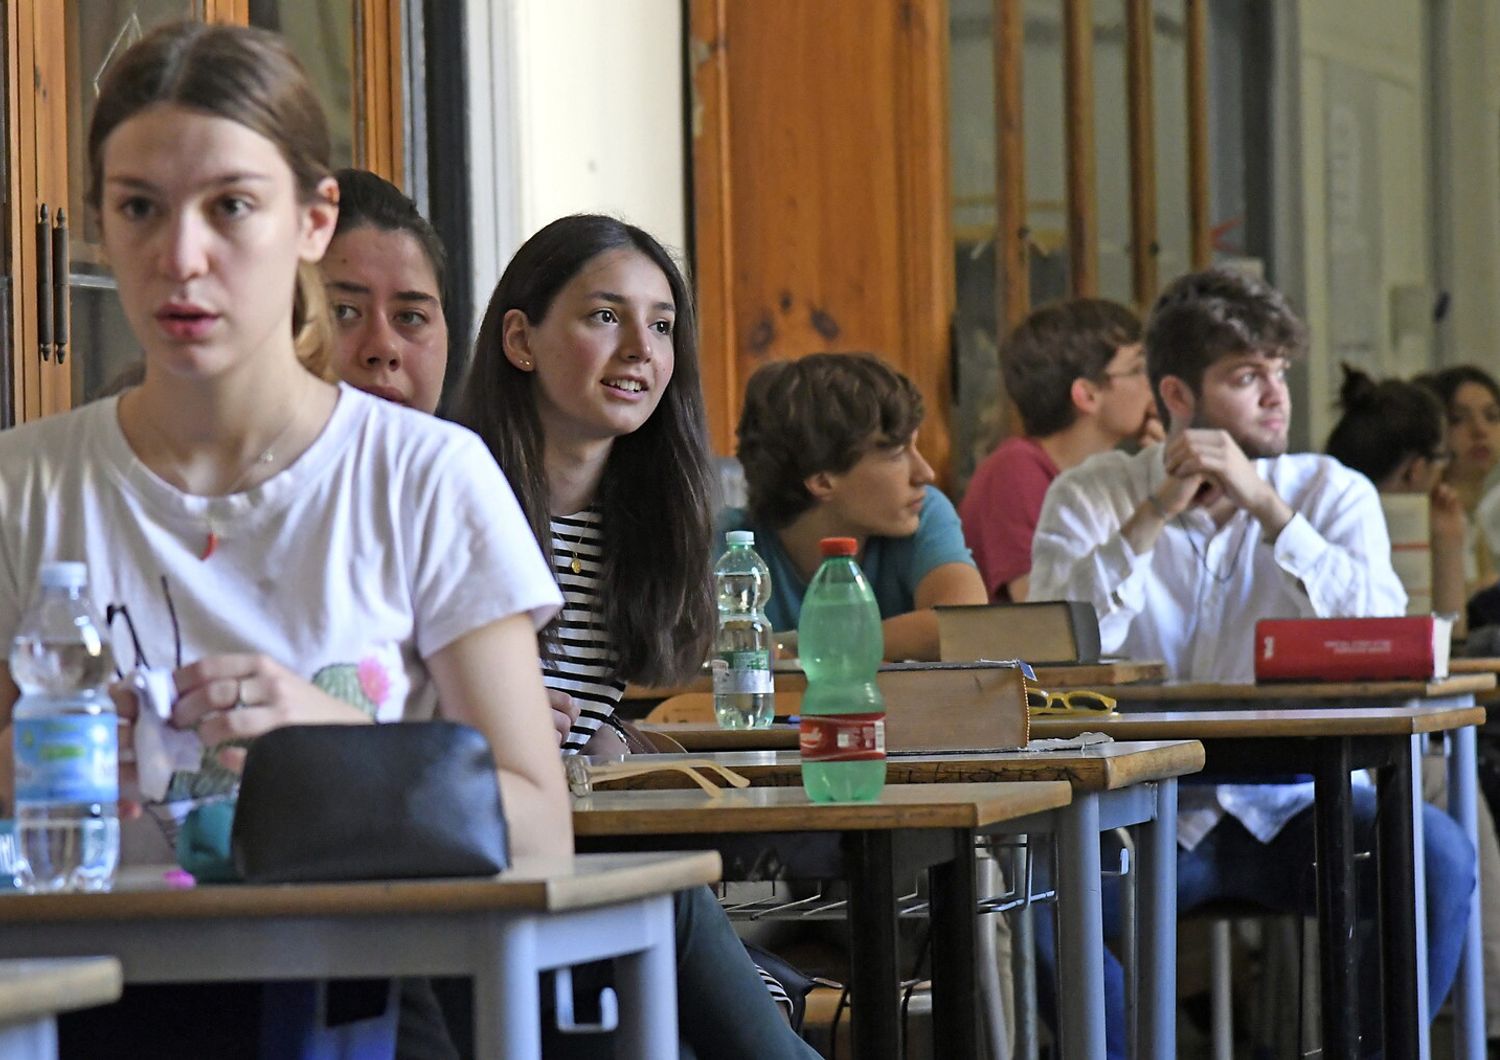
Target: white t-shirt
{"x":392,"y":536}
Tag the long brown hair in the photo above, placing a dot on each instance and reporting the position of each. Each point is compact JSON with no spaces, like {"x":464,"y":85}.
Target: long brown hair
{"x":655,"y":495}
{"x":251,"y":77}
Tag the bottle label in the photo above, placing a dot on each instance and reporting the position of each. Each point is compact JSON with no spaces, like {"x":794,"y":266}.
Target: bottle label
{"x":73,"y":758}
{"x":842,"y":737}
{"x":743,"y":672}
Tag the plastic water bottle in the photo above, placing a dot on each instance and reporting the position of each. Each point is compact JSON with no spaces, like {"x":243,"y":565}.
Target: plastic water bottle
{"x":744,"y":693}
{"x":840,"y":643}
{"x":66,"y":744}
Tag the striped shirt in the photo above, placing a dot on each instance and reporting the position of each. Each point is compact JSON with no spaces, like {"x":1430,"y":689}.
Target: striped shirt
{"x":584,"y":661}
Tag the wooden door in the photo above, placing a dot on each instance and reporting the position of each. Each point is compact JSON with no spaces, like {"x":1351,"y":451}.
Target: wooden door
{"x":820,"y":192}
{"x":67,"y":337}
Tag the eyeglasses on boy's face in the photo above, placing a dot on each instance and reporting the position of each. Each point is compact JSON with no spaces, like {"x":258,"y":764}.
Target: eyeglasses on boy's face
{"x":1074,"y":701}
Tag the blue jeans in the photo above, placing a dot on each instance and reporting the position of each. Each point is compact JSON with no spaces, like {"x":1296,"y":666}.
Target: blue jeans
{"x":1230,"y":863}
{"x":723,"y":1008}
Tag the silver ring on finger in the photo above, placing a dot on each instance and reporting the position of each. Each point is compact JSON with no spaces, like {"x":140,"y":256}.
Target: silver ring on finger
{"x":239,"y":694}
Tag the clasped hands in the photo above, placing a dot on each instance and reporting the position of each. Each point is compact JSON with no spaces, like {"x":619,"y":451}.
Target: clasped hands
{"x":1205,"y":467}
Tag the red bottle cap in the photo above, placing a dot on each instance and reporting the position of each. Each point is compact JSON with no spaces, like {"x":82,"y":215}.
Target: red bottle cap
{"x":838,"y":546}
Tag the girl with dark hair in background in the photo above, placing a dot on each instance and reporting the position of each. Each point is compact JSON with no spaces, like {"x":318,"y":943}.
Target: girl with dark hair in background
{"x":1394,"y":433}
{"x":1471,"y":399}
{"x":585,"y":386}
{"x":385,"y":274}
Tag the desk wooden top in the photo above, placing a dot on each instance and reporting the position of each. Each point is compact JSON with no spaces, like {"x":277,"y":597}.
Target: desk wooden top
{"x":788,"y":809}
{"x":1370,"y":720}
{"x":700,"y":736}
{"x":34,"y":988}
{"x":1317,"y":691}
{"x":1461,"y":665}
{"x":537,"y":884}
{"x":790,"y":678}
{"x":1223,"y":724}
{"x":1104,"y":767}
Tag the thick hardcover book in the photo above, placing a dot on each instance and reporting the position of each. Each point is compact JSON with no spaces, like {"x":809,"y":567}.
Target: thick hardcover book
{"x":1414,"y":647}
{"x":937,"y":707}
{"x":1055,"y":631}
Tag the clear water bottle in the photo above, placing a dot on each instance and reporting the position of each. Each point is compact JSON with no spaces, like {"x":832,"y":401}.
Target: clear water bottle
{"x":744,"y":693}
{"x":841,"y":644}
{"x":66,"y":744}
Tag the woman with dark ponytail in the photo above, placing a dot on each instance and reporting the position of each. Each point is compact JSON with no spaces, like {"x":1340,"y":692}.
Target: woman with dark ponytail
{"x":1394,"y":433}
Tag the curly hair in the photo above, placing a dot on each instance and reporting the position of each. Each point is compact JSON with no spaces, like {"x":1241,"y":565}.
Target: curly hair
{"x":817,"y":413}
{"x":1204,"y":316}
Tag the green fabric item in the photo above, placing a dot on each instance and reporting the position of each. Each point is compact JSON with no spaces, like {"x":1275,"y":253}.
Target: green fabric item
{"x":203,"y":843}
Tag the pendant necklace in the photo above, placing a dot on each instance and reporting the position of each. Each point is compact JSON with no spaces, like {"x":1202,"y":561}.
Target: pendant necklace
{"x":574,"y":544}
{"x":265,"y":457}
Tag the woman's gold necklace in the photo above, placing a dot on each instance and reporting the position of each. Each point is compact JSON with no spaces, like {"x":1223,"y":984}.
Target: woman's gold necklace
{"x":574,"y":544}
{"x":266,"y":456}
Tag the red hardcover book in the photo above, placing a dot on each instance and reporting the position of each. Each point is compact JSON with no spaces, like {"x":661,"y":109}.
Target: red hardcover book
{"x":1413,"y":647}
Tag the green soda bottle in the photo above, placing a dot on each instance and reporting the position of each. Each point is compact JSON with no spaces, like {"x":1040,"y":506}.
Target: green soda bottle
{"x":841,"y":644}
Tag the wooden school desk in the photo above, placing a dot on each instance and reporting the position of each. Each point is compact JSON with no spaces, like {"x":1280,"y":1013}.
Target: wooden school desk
{"x":503,"y":930}
{"x":1328,"y":743}
{"x":790,"y":678}
{"x":776,"y":833}
{"x":33,"y":992}
{"x":1114,"y":785}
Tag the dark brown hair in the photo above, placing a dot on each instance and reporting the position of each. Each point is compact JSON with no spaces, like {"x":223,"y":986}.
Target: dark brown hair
{"x":1204,"y":316}
{"x":817,"y":413}
{"x":1446,"y":381}
{"x":655,"y":495}
{"x":368,"y":200}
{"x":250,"y":77}
{"x":1384,"y":423}
{"x":1055,"y":345}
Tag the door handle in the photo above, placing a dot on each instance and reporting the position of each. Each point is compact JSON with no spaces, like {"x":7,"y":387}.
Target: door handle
{"x":44,"y":283}
{"x":61,"y":267}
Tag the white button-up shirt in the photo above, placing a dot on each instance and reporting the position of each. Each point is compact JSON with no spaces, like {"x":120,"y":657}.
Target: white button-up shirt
{"x":1193,"y":599}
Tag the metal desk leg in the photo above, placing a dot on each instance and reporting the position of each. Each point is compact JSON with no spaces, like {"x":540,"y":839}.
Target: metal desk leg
{"x":1080,"y":949}
{"x":507,"y":993}
{"x":991,"y":1005}
{"x":1023,"y":964}
{"x":874,"y":982}
{"x":1468,"y":991}
{"x":955,"y":986}
{"x":1156,"y":912}
{"x":35,"y":1040}
{"x":647,"y":985}
{"x":1400,"y":868}
{"x":1334,"y":820}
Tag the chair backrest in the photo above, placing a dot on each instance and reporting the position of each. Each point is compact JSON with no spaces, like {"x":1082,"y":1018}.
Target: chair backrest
{"x":693,"y":707}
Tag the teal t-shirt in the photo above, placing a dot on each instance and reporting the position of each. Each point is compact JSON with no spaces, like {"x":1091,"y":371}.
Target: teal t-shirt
{"x":894,"y":565}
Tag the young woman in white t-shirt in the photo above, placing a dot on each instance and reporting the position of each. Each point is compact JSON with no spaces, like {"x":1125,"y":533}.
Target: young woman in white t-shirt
{"x":299,"y":551}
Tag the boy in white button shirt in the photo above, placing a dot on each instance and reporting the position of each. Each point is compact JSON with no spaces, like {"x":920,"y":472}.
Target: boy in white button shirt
{"x":1183,"y":546}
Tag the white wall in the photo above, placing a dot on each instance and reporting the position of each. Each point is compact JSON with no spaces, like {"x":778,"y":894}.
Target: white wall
{"x":576,"y":105}
{"x":1364,"y":239}
{"x":1467,"y":213}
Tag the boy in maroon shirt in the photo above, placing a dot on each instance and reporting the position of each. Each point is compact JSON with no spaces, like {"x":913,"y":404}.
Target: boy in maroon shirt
{"x":1077,"y":374}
